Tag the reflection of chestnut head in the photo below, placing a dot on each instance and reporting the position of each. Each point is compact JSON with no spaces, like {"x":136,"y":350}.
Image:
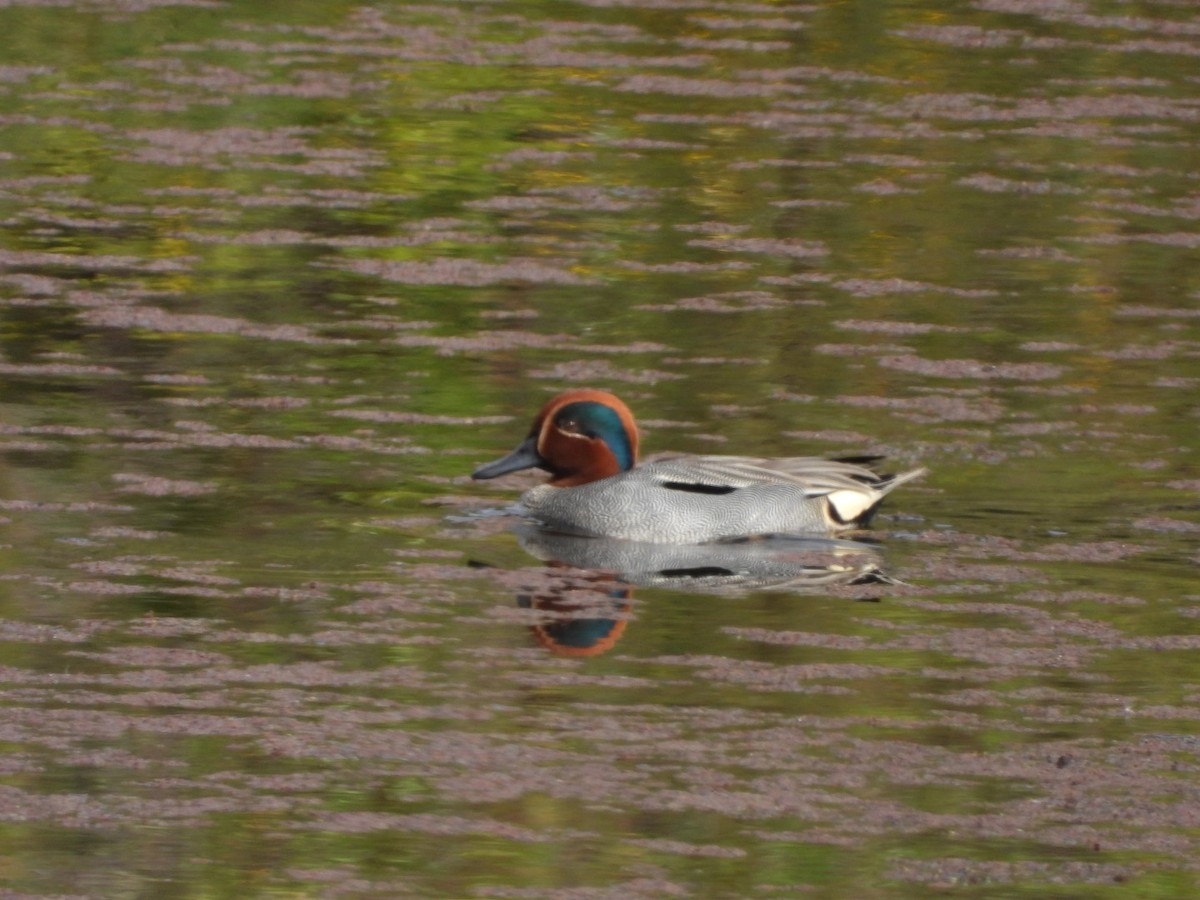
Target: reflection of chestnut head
{"x":585,"y":613}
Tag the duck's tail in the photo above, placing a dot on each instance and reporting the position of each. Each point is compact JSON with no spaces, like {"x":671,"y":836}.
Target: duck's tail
{"x":888,"y":483}
{"x":855,"y":509}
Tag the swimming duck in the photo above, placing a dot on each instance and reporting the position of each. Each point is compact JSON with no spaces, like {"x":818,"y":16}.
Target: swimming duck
{"x":588,"y":441}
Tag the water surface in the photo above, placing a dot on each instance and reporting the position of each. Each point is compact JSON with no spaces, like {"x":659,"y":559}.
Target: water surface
{"x":274,"y":281}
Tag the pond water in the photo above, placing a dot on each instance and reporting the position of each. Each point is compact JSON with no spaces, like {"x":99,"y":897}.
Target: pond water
{"x":275,"y":278}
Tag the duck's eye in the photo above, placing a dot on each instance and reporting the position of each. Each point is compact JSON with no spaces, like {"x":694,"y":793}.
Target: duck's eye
{"x":570,"y":426}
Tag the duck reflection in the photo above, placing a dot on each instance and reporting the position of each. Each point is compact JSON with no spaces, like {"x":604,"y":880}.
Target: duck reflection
{"x":585,"y":592}
{"x":583,"y":613}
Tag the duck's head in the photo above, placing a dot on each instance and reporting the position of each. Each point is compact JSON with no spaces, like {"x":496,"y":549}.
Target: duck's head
{"x":579,"y":436}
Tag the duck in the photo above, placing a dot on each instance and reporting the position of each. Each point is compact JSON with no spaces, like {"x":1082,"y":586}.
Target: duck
{"x":587,"y":440}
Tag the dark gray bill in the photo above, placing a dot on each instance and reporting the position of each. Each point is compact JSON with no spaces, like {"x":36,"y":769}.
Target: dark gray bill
{"x":524,"y":457}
